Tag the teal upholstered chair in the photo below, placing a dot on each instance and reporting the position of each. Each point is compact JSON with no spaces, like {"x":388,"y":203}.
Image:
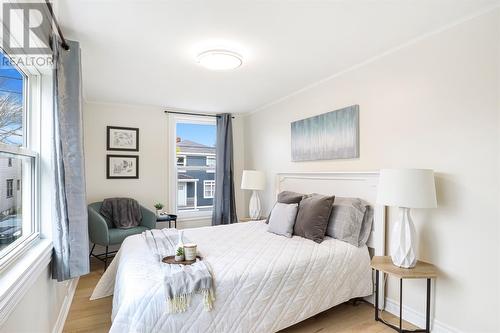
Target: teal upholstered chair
{"x":102,"y":231}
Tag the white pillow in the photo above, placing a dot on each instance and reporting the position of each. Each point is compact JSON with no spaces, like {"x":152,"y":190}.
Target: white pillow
{"x":282,"y":219}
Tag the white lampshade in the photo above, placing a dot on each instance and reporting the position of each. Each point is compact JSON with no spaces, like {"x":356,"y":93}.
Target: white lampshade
{"x":409,"y":188}
{"x":253,"y":180}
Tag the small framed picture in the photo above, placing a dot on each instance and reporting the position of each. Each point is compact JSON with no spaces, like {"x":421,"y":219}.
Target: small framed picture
{"x":122,"y":138}
{"x":122,"y":167}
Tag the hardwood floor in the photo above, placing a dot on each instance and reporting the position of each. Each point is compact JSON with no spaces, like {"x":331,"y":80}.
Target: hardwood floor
{"x":95,"y":316}
{"x":85,"y":315}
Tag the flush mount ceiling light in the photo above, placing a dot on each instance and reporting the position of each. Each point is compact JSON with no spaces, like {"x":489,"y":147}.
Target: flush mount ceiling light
{"x":220,"y":60}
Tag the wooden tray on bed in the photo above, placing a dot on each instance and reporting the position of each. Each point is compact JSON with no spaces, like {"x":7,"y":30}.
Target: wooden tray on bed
{"x":171,"y":260}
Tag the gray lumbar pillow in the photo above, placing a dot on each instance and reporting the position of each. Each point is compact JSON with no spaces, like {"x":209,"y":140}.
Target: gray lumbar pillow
{"x":282,"y":219}
{"x":346,"y":221}
{"x":313,"y":215}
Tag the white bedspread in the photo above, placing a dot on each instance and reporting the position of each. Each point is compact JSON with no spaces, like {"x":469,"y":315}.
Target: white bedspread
{"x":263,"y":282}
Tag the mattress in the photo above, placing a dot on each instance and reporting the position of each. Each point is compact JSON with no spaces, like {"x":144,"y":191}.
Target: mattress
{"x":263,"y":282}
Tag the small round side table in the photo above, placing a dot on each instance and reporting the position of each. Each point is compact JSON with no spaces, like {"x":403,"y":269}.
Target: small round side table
{"x":168,"y":218}
{"x":422,"y":270}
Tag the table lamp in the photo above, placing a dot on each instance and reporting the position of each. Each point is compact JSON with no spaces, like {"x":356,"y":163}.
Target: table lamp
{"x":406,"y":188}
{"x":255,"y":181}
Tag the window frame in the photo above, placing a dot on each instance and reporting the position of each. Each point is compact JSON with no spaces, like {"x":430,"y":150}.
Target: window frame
{"x":173,"y":120}
{"x":21,"y":244}
{"x":184,"y":161}
{"x":212,"y":184}
{"x":212,"y":158}
{"x":10,"y":189}
{"x":32,"y":104}
{"x":21,"y":268}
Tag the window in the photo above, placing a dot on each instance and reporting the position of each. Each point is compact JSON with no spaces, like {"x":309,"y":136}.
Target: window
{"x":208,"y":189}
{"x":211,"y":161}
{"x":18,"y":222}
{"x":10,"y":189}
{"x":181,"y":160}
{"x":194,"y":158}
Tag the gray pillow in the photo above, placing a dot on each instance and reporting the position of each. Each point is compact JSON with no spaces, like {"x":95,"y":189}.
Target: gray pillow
{"x":313,"y":215}
{"x":282,"y":219}
{"x":287,"y":197}
{"x":366,"y":226}
{"x":346,"y":220}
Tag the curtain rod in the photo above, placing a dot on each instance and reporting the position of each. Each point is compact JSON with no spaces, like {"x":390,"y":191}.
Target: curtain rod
{"x":64,"y":44}
{"x":196,"y":114}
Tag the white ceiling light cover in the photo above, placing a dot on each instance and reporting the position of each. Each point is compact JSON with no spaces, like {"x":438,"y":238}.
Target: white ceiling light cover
{"x":220,"y":60}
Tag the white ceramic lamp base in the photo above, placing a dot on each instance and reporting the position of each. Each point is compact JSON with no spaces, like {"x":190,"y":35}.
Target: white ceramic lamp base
{"x":254,"y":206}
{"x":403,"y":241}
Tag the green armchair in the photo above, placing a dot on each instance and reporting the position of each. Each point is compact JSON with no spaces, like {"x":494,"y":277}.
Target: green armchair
{"x":102,"y":231}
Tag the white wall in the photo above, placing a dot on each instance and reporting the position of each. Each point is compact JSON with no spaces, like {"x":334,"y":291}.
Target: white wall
{"x":40,"y":307}
{"x":152,"y":185}
{"x":432,"y":104}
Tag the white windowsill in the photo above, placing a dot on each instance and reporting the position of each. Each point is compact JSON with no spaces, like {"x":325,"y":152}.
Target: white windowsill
{"x":194,"y":216}
{"x":19,"y":276}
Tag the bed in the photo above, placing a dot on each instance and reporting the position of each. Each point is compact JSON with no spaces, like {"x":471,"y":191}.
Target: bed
{"x":263,"y":282}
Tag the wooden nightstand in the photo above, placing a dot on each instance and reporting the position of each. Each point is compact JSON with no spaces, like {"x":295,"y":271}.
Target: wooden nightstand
{"x":422,"y":270}
{"x":248,"y":219}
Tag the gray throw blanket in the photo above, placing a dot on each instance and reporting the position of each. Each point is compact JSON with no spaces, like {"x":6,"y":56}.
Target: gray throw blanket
{"x":180,"y":282}
{"x":123,"y":212}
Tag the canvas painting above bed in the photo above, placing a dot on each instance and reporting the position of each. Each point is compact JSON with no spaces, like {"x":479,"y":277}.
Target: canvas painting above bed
{"x":328,"y":136}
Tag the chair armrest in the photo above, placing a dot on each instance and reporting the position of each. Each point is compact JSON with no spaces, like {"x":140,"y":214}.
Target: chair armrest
{"x":98,"y":228}
{"x":148,"y":218}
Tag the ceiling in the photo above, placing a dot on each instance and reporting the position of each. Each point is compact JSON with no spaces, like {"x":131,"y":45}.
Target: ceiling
{"x":143,"y":52}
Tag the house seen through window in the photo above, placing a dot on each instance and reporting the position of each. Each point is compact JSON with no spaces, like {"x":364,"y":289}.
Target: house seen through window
{"x":195,"y":161}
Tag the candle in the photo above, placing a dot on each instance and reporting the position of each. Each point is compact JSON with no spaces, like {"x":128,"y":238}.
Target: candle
{"x":190,"y":251}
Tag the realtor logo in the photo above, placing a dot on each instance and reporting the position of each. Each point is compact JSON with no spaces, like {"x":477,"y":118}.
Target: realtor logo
{"x":36,"y":27}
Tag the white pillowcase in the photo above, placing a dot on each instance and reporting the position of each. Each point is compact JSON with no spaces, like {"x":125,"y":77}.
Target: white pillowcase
{"x":282,"y":219}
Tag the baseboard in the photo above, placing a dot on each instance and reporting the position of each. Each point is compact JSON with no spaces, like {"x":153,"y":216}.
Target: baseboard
{"x":63,"y":313}
{"x":417,"y":318}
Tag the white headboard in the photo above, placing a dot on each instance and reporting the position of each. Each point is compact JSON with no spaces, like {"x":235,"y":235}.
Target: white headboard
{"x":361,"y":185}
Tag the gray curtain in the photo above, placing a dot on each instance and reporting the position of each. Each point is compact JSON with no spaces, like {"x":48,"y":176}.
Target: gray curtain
{"x":224,"y":203}
{"x":70,"y":232}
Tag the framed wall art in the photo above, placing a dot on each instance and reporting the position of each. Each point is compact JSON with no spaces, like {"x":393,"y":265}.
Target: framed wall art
{"x":122,"y":166}
{"x":122,"y":138}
